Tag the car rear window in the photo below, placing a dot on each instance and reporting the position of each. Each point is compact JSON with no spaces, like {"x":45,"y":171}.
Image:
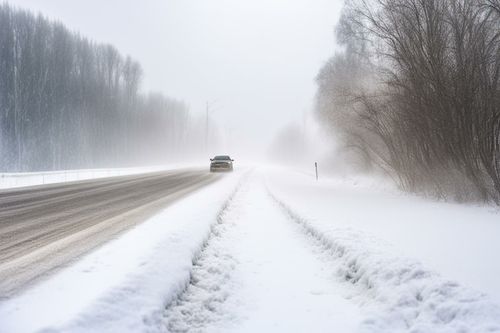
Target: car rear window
{"x":221,"y":158}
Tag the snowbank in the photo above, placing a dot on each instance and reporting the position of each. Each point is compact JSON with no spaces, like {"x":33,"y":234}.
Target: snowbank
{"x":125,"y":285}
{"x":349,"y":223}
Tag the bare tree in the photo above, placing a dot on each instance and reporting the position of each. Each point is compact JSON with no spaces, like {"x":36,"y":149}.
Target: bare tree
{"x":66,"y":102}
{"x":430,"y":117}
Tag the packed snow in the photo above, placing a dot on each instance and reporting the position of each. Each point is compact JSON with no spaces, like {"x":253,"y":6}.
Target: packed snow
{"x":271,"y":250}
{"x":258,"y":273}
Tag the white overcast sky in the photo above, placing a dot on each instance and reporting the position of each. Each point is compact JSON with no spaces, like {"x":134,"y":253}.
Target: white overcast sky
{"x":256,"y":58}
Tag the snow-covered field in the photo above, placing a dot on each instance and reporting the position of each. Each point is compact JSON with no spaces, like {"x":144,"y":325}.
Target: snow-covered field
{"x":459,"y":241}
{"x":269,"y":250}
{"x":417,"y":265}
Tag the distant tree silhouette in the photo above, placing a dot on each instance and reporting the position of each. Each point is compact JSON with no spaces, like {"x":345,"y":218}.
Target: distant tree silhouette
{"x":67,"y":102}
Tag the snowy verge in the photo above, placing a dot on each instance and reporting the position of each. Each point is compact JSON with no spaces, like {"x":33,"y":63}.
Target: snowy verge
{"x":21,"y":179}
{"x":125,"y":285}
{"x":460,"y":241}
{"x":398,"y":293}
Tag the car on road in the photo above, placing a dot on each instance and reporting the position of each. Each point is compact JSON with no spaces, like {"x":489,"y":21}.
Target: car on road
{"x":221,"y":163}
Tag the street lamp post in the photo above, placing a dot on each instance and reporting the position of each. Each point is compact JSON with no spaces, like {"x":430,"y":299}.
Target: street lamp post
{"x":206,"y":129}
{"x":208,"y":110}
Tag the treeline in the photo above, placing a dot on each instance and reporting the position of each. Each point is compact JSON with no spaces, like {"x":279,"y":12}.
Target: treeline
{"x":416,"y":92}
{"x":67,"y":102}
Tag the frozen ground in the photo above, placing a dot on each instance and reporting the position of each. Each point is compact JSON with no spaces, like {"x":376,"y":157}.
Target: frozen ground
{"x":276,"y":251}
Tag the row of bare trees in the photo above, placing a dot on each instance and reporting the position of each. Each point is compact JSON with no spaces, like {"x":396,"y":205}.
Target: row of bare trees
{"x":416,"y":91}
{"x":67,"y":102}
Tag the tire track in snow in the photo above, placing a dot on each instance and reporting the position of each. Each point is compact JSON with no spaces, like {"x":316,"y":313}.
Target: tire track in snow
{"x":256,"y":273}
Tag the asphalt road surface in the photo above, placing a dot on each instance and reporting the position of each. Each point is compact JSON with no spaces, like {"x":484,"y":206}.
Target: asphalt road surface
{"x":44,"y":228}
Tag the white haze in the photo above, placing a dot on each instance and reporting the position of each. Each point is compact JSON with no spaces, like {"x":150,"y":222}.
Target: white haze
{"x":254,"y":61}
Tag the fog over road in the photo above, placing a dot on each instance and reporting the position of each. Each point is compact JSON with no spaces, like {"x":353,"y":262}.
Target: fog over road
{"x":43,"y":228}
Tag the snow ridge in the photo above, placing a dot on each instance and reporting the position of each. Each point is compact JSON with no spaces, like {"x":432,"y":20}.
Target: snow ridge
{"x":200,"y":303}
{"x":398,"y":294}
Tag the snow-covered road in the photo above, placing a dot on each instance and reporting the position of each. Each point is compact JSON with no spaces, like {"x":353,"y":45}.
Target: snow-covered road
{"x":267,"y":250}
{"x":259,"y":273}
{"x":43,"y":228}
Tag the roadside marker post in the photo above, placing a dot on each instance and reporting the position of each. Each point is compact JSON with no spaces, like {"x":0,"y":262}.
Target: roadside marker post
{"x":316,"y":167}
